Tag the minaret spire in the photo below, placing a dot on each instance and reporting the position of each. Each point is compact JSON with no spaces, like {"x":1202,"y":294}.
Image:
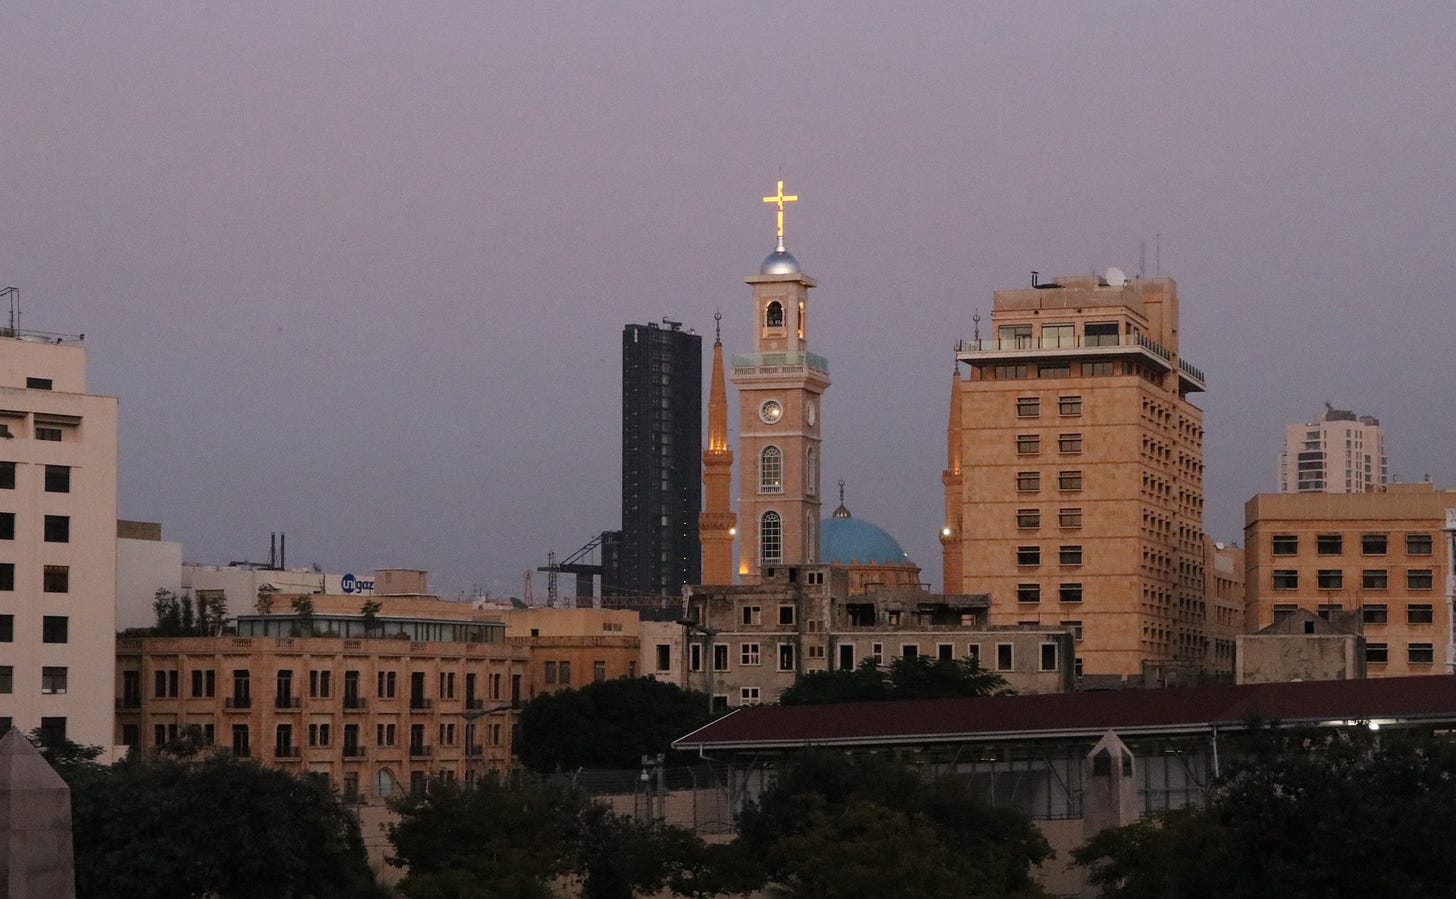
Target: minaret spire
{"x":716,"y":523}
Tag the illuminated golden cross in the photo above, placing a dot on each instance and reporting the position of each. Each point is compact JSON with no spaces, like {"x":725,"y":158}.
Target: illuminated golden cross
{"x":780,"y":199}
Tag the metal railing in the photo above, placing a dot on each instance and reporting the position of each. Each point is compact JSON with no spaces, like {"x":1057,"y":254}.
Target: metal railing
{"x":780,"y":361}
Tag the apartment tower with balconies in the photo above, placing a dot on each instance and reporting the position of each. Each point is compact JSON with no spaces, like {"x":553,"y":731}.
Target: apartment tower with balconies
{"x":1074,"y":478}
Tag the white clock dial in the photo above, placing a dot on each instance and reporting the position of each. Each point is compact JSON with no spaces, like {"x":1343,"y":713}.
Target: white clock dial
{"x":770,"y":412}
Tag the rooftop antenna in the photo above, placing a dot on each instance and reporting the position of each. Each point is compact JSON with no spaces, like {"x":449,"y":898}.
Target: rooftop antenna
{"x":14,"y":294}
{"x":1033,"y":278}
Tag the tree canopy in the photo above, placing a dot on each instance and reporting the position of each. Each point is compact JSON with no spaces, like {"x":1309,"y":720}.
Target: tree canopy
{"x":1348,"y":814}
{"x":832,"y":826}
{"x":609,"y":724}
{"x":513,"y":840}
{"x":219,"y":827}
{"x":915,"y":677}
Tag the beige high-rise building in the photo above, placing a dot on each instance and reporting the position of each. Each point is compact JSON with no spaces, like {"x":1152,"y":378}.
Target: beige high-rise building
{"x":57,"y":542}
{"x":1338,"y":452}
{"x":779,"y":389}
{"x":1386,"y":554}
{"x":1074,"y":478}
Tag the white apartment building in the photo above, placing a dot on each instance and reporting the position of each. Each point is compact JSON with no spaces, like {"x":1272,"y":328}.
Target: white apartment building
{"x":57,"y":542}
{"x":1338,"y":452}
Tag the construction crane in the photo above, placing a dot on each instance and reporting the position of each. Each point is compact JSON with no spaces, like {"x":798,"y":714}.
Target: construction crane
{"x":573,"y":564}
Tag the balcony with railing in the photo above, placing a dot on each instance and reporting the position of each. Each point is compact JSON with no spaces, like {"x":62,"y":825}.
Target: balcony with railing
{"x":421,"y":704}
{"x":420,"y":751}
{"x":778,"y":363}
{"x":1028,"y":348}
{"x":474,"y":750}
{"x":237,"y":703}
{"x":285,"y":752}
{"x":355,"y":704}
{"x":353,"y":752}
{"x":128,"y":703}
{"x":287,"y":703}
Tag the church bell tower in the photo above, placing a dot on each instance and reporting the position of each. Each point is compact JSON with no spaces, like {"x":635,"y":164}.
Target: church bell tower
{"x":779,"y":385}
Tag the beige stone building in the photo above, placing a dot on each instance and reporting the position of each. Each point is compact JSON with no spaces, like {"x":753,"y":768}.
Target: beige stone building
{"x":574,"y":647}
{"x":1074,"y":478}
{"x":1385,"y":554}
{"x":57,"y":541}
{"x":748,"y":643}
{"x":1223,"y":567}
{"x":379,"y":703}
{"x":1303,"y":646}
{"x":1338,"y":452}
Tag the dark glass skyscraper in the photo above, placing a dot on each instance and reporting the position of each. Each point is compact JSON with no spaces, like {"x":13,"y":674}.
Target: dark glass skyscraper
{"x":662,"y":445}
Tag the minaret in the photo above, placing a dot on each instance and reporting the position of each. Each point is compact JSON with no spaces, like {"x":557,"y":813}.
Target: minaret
{"x":716,"y":524}
{"x":950,"y":535}
{"x":779,"y":388}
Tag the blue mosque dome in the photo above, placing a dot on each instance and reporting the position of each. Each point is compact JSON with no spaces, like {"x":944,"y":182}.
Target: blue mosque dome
{"x":846,"y":540}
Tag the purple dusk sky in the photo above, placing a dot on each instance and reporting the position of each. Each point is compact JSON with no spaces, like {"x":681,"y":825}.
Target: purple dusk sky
{"x":357,"y":272}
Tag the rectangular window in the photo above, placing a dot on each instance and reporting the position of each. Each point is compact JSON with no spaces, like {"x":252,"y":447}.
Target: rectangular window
{"x":1096,"y":369}
{"x":1069,"y":518}
{"x":7,"y":525}
{"x":1076,"y":628}
{"x":1286,"y":579}
{"x":786,"y":615}
{"x":52,"y":435}
{"x":664,"y":657}
{"x":318,"y":734}
{"x":748,"y":654}
{"x":1419,"y":613}
{"x":58,"y":479}
{"x":1028,"y":593}
{"x":7,"y":576}
{"x":1420,"y":654}
{"x":1418,"y":579}
{"x":385,"y":684}
{"x":7,"y":678}
{"x":1028,"y":518}
{"x":747,"y":695}
{"x":1286,"y":544}
{"x":565,"y":668}
{"x":1374,"y":613}
{"x":165,"y":683}
{"x":55,"y":629}
{"x":320,"y":684}
{"x":786,"y":657}
{"x":909,"y":650}
{"x":1028,"y":555}
{"x":599,"y":672}
{"x":204,"y":683}
{"x":1028,"y":407}
{"x":1070,"y":555}
{"x":550,"y":672}
{"x":53,"y":680}
{"x":1069,"y":443}
{"x":1004,"y":657}
{"x":1049,"y":657}
{"x":1378,"y":653}
{"x":1374,"y":579}
{"x":1011,"y":372}
{"x":1028,"y":481}
{"x":1069,"y":480}
{"x":1331,"y":579}
{"x":695,"y":657}
{"x":55,"y":579}
{"x":720,"y":657}
{"x":1100,"y":333}
{"x":1028,"y":444}
{"x":752,"y":615}
{"x":1372,"y":544}
{"x":1061,"y":334}
{"x":39,"y":384}
{"x":1069,"y":405}
{"x":7,"y":628}
{"x":58,"y":529}
{"x":1070,"y":592}
{"x":1418,"y":544}
{"x":7,"y":475}
{"x":1329,"y":544}
{"x":945,"y":652}
{"x":1048,"y":370}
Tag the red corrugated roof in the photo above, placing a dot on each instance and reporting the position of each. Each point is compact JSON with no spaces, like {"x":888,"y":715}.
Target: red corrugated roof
{"x":1170,"y":710}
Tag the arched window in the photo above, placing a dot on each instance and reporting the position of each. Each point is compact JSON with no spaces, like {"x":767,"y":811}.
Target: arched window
{"x":770,"y":537}
{"x":811,"y":472}
{"x":801,"y":319}
{"x":811,"y":538}
{"x":771,"y":470}
{"x":774,"y":316}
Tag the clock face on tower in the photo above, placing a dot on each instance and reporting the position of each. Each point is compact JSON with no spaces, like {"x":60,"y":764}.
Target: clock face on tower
{"x":811,"y":414}
{"x":770,"y":412}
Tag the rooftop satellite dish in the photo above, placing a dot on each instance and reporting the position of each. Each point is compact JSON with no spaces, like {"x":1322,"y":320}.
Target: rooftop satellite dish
{"x":1116,"y":277}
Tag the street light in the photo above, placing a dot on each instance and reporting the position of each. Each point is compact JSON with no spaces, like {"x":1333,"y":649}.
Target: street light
{"x":708,"y":634}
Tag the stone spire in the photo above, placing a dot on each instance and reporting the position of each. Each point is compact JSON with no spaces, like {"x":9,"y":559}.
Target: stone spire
{"x":716,"y":523}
